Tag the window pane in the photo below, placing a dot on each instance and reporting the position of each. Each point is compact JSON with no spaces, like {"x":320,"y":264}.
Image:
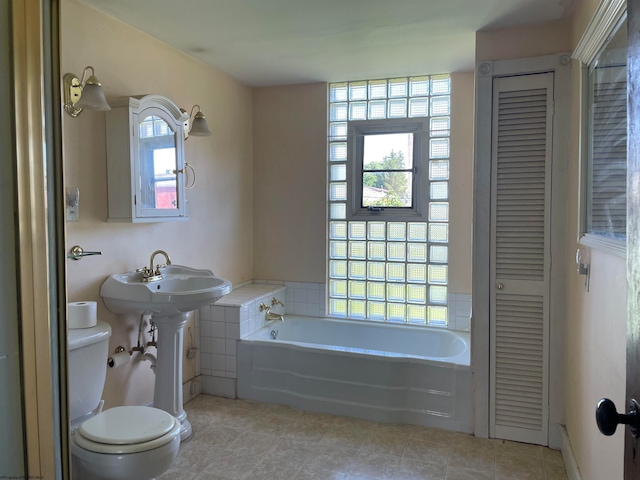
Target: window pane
{"x":338,"y":249}
{"x":338,"y":230}
{"x":358,"y":111}
{"x":438,"y":294}
{"x":375,"y":291}
{"x":419,"y":107}
{"x":416,"y":252}
{"x":377,"y":230}
{"x":338,"y":112}
{"x":338,"y":211}
{"x":377,"y":109}
{"x":398,"y":87}
{"x":378,"y":89}
{"x":397,"y":108}
{"x":358,"y":250}
{"x":338,"y":152}
{"x":338,"y":172}
{"x":418,"y":86}
{"x":338,"y":288}
{"x":440,"y":85}
{"x":376,"y":271}
{"x":382,"y":184}
{"x":439,"y":170}
{"x":440,"y":106}
{"x":358,"y":91}
{"x":338,"y":308}
{"x":607,"y":166}
{"x":338,"y":92}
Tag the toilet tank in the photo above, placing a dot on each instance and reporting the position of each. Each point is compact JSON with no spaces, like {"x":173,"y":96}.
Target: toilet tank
{"x":87,"y":367}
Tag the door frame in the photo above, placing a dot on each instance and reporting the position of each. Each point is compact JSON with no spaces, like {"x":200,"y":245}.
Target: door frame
{"x":40,"y":223}
{"x":486,"y":71}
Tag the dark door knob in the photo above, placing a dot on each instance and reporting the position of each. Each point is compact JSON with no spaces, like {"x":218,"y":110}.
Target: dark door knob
{"x":608,"y":418}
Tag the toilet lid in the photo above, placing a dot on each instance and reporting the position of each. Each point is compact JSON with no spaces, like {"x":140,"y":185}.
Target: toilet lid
{"x":127,"y":425}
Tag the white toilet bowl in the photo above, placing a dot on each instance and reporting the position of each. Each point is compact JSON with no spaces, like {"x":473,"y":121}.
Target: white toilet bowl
{"x":125,"y":443}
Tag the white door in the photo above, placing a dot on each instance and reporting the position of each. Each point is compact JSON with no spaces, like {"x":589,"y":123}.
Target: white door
{"x":520,"y":257}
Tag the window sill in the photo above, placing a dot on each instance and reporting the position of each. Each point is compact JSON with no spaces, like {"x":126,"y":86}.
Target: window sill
{"x":608,"y":245}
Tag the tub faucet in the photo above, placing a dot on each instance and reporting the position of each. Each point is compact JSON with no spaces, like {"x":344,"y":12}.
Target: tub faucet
{"x":151,"y":275}
{"x":269,"y":315}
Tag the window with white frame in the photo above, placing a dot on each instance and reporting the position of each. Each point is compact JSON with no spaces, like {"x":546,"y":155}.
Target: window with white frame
{"x":603,"y":184}
{"x":389,"y":199}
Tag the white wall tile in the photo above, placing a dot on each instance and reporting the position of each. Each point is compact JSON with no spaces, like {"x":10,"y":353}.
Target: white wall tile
{"x":205,"y":313}
{"x":232,"y":315}
{"x":218,"y":345}
{"x":230,"y":347}
{"x":218,"y":362}
{"x":230,"y":363}
{"x":205,"y":329}
{"x":217,"y":313}
{"x":218,"y":329}
{"x":233,"y":331}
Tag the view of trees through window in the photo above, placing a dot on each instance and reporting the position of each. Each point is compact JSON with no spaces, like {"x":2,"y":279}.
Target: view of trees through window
{"x":387,"y":179}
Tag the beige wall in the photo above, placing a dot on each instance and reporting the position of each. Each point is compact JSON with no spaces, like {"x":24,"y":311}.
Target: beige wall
{"x":218,"y":235}
{"x":532,"y":41}
{"x":290,"y":124}
{"x":289,"y":183}
{"x":596,"y":322}
{"x":461,"y":182}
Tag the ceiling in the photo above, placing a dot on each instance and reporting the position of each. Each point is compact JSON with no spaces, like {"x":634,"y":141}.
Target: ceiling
{"x":277,"y":42}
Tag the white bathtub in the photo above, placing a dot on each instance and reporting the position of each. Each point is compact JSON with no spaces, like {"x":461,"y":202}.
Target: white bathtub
{"x":380,"y":372}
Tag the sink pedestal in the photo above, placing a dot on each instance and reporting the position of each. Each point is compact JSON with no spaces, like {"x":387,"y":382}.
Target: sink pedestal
{"x":168,"y":388}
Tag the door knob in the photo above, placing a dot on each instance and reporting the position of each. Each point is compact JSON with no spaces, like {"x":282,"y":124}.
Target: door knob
{"x":608,"y":418}
{"x":500,"y":286}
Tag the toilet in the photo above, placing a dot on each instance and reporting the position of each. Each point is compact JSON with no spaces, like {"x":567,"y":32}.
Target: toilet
{"x":121,"y":443}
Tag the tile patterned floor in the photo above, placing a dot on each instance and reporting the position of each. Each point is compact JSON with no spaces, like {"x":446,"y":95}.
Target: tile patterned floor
{"x":237,"y":439}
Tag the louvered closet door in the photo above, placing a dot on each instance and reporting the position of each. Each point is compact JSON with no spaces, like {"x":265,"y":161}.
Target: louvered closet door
{"x":521,"y":170}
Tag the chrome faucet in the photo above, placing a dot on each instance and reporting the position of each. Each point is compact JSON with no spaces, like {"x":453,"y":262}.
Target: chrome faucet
{"x":151,"y":275}
{"x":269,"y":315}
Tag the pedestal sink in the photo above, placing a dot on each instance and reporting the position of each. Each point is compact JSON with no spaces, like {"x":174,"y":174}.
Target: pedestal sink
{"x":180,"y":291}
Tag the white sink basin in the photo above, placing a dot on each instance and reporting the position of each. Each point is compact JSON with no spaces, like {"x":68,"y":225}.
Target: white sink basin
{"x":181,"y":290}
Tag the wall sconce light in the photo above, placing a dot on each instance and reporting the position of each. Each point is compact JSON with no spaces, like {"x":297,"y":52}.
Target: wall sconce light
{"x":199,"y":127}
{"x":80,"y":94}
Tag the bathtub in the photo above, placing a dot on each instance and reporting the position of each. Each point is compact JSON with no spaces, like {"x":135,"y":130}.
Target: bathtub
{"x":369,"y":370}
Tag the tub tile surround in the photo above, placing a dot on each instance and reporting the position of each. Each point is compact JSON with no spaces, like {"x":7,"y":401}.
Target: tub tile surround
{"x":239,"y":439}
{"x":237,"y":315}
{"x":222,"y":324}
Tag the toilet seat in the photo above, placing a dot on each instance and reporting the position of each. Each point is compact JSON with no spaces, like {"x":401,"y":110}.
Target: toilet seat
{"x":130,"y":429}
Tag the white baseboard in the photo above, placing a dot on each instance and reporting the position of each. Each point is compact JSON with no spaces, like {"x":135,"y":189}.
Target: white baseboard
{"x":570,"y":463}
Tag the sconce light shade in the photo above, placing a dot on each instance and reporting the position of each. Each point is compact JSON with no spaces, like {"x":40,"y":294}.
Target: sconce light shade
{"x":199,"y":127}
{"x":81,"y":94}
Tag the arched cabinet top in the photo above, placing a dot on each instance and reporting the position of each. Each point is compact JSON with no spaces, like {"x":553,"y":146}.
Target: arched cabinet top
{"x":141,"y":102}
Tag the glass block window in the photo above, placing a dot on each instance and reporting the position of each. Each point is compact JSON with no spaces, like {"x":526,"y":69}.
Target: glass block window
{"x":384,"y":267}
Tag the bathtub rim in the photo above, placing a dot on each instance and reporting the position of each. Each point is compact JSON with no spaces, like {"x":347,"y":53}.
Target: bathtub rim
{"x":462,"y":360}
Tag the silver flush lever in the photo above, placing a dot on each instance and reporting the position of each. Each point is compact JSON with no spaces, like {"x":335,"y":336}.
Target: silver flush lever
{"x":77,"y":252}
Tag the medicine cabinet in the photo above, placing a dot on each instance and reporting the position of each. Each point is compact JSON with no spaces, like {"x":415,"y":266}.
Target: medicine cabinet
{"x":145,"y":160}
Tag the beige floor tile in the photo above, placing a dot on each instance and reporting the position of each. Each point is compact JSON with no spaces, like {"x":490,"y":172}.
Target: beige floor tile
{"x":252,"y":444}
{"x":314,"y":473}
{"x":378,"y":466}
{"x":479,"y":458}
{"x":232,"y":465}
{"x":385,"y":443}
{"x":243,"y":440}
{"x":270,"y":469}
{"x":433,"y":435}
{"x":419,"y":470}
{"x":507,"y":448}
{"x":519,"y":468}
{"x":555,"y":471}
{"x":335,"y":460}
{"x":344,"y":437}
{"x":427,"y":452}
{"x":461,"y":473}
{"x":392,"y":429}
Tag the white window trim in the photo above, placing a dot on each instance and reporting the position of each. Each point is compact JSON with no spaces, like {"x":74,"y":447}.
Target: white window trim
{"x":420,"y":187}
{"x":604,"y":20}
